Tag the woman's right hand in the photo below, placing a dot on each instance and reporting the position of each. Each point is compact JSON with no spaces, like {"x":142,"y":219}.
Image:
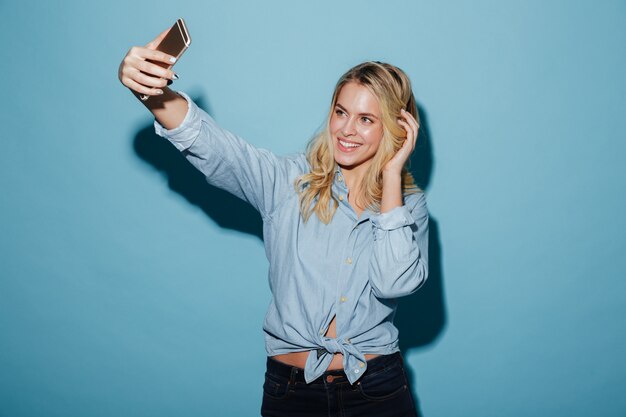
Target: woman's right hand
{"x":142,"y":76}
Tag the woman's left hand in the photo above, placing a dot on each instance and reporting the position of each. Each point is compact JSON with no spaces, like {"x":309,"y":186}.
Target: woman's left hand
{"x":395,"y":165}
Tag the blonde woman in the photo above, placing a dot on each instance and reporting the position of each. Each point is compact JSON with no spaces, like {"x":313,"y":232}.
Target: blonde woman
{"x":345,"y":231}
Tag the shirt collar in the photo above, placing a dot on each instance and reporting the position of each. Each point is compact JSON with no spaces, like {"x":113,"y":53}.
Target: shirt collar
{"x":339,"y":179}
{"x":340,"y":188}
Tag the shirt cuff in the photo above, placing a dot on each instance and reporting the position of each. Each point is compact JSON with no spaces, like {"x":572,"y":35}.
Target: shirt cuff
{"x":394,"y":219}
{"x":183,"y":136}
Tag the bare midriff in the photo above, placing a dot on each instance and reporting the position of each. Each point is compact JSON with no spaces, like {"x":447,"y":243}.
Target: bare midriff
{"x":298,"y":359}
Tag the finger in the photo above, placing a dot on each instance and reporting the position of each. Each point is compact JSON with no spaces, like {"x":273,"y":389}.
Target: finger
{"x":142,"y":89}
{"x":408,"y":128}
{"x":414,"y":125}
{"x":405,"y":125}
{"x":156,"y":41}
{"x":407,"y":145}
{"x":150,"y":68}
{"x":402,"y":155}
{"x":411,"y":119}
{"x":411,"y":134}
{"x":414,"y":128}
{"x":151,"y":54}
{"x":148,"y":80}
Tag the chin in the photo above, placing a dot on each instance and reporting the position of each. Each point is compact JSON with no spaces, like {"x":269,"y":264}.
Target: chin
{"x":347,"y":163}
{"x":343,"y":161}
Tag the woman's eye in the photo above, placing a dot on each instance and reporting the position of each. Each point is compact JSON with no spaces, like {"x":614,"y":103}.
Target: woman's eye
{"x":339,"y":112}
{"x":366,"y":119}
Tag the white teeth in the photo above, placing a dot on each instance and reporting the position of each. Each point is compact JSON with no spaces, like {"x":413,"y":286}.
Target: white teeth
{"x":348,"y":145}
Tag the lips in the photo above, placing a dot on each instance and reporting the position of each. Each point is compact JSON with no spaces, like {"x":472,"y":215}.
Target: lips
{"x":346,"y":145}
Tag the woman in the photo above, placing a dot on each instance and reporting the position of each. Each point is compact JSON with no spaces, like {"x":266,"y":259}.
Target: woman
{"x":345,"y":231}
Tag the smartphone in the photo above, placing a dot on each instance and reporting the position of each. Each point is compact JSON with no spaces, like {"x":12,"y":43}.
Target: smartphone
{"x":174,"y":43}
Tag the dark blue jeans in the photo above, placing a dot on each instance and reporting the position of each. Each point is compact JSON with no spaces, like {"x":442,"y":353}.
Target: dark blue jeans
{"x":382,"y":391}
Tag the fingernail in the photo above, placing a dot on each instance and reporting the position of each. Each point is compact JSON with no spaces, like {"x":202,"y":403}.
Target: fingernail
{"x":159,"y":92}
{"x":175,"y":76}
{"x":172,"y":60}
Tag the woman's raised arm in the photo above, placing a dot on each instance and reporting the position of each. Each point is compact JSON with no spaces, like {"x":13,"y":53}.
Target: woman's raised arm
{"x":145,"y":78}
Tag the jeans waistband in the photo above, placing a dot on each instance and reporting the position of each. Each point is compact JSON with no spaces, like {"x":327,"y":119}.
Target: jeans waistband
{"x":295,"y":374}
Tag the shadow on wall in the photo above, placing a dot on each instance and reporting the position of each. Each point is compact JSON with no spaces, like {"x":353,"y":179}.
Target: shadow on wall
{"x":222,"y":207}
{"x":421,"y":317}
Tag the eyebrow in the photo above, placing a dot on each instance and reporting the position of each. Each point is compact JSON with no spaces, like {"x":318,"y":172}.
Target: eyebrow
{"x":360,"y":114}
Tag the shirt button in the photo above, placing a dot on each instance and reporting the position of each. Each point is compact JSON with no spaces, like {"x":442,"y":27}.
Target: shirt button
{"x":348,"y":341}
{"x":349,"y":261}
{"x":361,"y":364}
{"x":343,"y":299}
{"x":339,"y":178}
{"x":356,"y":371}
{"x":340,"y":198}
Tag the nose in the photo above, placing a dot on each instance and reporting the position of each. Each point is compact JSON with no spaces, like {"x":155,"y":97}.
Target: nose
{"x":349,"y":127}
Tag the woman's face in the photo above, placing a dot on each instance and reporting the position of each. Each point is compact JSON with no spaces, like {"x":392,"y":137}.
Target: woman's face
{"x":356,"y":127}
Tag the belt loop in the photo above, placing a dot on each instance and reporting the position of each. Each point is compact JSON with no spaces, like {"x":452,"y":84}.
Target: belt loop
{"x":292,"y":377}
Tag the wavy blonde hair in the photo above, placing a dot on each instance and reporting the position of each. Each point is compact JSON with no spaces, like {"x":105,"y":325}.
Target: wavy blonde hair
{"x":391,"y":86}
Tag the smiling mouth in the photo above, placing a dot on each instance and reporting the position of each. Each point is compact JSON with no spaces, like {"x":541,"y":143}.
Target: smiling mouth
{"x":347,"y":146}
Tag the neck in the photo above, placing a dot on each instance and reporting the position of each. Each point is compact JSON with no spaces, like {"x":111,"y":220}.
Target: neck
{"x":353,"y":176}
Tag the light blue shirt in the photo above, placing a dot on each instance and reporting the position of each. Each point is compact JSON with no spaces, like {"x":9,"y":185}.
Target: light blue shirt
{"x":353,"y":268}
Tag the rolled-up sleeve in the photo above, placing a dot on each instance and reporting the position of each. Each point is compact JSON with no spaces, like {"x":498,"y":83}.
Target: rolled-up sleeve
{"x":227,"y":161}
{"x":399,"y":262}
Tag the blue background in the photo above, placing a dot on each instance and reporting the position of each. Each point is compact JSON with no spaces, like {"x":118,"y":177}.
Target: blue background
{"x":129,"y":287}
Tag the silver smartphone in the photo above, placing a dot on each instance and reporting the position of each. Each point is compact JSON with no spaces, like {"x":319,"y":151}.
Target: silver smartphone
{"x":175,"y":43}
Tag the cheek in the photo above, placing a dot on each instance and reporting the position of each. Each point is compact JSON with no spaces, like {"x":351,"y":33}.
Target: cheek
{"x":333,"y":125}
{"x":373,"y":136}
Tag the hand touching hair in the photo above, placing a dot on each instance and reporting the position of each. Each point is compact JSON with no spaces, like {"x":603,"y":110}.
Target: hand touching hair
{"x":392,"y":87}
